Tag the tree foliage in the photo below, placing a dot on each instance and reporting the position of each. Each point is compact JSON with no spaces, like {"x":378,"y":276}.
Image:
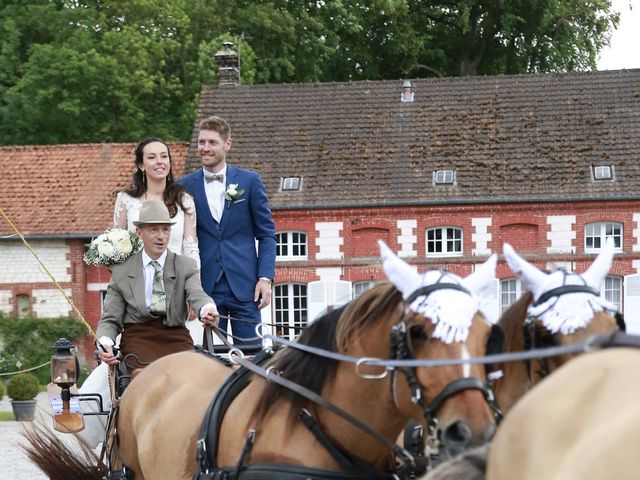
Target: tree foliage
{"x":27,"y":342}
{"x":118,"y":70}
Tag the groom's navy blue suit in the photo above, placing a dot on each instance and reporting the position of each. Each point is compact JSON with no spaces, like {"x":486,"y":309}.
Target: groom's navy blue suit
{"x":228,"y":249}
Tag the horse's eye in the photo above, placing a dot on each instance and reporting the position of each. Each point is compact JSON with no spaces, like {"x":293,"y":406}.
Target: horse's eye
{"x":417,"y":332}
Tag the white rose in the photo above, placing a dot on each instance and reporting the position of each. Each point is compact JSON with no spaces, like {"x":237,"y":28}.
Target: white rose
{"x":124,"y":245}
{"x":113,"y":236}
{"x":100,"y":238}
{"x":105,"y":249}
{"x":232,"y":190}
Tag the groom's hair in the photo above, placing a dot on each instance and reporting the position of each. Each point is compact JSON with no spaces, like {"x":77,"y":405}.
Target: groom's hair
{"x":216,"y":124}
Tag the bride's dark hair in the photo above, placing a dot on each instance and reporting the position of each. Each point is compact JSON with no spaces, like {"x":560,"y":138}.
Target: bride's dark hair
{"x":173,"y":192}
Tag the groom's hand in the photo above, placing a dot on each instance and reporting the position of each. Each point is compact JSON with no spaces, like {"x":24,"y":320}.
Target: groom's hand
{"x":262,"y":293}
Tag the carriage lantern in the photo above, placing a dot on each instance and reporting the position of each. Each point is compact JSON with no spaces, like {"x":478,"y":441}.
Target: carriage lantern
{"x":64,"y":364}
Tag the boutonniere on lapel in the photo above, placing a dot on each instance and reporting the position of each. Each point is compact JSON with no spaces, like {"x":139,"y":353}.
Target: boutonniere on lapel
{"x":232,"y":193}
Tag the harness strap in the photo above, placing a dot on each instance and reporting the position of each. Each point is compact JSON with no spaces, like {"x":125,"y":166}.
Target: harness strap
{"x":429,"y":289}
{"x":459,"y":385}
{"x":564,"y":289}
{"x":248,"y":444}
{"x":400,"y":452}
{"x":207,"y":445}
{"x":348,"y":461}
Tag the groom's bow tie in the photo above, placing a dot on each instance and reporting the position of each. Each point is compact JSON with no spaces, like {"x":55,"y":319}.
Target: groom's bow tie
{"x":214,"y":178}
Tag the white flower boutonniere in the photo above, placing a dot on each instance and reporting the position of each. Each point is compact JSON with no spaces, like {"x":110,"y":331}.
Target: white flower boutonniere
{"x":115,"y":245}
{"x":232,"y":193}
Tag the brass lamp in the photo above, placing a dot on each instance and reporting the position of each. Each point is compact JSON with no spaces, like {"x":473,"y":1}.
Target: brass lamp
{"x":64,"y":364}
{"x":65,"y":406}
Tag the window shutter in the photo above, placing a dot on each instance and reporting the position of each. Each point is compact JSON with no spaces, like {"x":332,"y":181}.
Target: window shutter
{"x":316,"y":299}
{"x":490,"y":302}
{"x":342,"y":292}
{"x":631,"y":303}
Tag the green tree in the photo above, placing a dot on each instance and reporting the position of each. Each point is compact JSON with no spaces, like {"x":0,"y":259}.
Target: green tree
{"x":119,"y":70}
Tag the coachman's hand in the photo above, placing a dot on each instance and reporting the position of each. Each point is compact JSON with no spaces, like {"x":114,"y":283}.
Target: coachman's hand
{"x":210,"y":317}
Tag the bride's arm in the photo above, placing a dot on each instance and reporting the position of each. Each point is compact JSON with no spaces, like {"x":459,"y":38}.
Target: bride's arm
{"x":120,"y":213}
{"x":189,"y":236}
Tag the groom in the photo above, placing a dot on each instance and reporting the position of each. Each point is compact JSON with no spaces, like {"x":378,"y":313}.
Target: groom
{"x":232,"y":213}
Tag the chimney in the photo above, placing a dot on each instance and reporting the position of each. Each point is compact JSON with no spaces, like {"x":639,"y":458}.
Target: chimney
{"x":228,"y":65}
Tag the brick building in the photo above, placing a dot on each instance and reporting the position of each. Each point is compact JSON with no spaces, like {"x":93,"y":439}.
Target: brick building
{"x":548,"y":163}
{"x":59,"y":197}
{"x":445,"y":175}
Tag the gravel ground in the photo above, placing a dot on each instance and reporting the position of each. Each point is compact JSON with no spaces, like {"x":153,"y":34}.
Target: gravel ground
{"x":14,"y":463}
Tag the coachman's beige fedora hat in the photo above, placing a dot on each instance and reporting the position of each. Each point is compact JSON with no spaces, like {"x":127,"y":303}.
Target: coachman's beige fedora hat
{"x":154,"y":211}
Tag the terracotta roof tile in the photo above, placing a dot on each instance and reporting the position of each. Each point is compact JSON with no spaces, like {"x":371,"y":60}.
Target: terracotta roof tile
{"x":509,"y":138}
{"x":67,"y":189}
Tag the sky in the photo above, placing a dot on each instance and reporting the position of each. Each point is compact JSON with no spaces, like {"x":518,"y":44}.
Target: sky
{"x":623,"y":51}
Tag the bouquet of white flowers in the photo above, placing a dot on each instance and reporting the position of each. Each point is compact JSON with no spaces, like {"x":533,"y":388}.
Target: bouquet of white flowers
{"x":115,"y":245}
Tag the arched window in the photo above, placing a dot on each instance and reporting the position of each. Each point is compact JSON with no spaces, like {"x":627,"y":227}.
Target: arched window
{"x":444,"y":242}
{"x":291,"y":246}
{"x":289,"y":309}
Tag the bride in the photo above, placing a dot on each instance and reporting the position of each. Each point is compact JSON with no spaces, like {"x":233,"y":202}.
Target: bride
{"x":152,"y":180}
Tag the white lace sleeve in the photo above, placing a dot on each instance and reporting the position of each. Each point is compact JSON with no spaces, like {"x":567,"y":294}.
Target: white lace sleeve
{"x":189,"y":236}
{"x":120,"y":212}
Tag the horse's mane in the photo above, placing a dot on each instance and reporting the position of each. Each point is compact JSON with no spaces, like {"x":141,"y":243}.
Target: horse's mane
{"x":332,"y":331}
{"x":511,"y":323}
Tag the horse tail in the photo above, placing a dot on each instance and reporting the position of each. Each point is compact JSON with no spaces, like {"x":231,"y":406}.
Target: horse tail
{"x":58,"y":460}
{"x":470,"y":465}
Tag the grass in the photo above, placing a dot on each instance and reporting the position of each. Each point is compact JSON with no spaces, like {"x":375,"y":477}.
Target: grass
{"x":6,"y":416}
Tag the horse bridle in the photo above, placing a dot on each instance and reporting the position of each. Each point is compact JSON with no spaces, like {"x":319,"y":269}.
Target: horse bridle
{"x":533,"y":338}
{"x":400,"y":349}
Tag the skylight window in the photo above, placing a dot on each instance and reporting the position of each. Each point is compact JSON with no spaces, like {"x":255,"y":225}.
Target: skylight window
{"x":291,"y":183}
{"x":443,"y":177}
{"x":602,"y":172}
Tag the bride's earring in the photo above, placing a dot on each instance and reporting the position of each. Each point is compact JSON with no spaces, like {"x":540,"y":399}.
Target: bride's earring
{"x":144,"y":176}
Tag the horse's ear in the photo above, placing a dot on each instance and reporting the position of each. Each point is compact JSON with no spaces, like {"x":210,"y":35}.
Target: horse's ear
{"x":400,"y":273}
{"x":533,"y":278}
{"x":483,"y":275}
{"x":598,"y":270}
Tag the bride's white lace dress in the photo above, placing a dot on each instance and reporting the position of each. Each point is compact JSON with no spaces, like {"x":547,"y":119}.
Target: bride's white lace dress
{"x":182,"y":241}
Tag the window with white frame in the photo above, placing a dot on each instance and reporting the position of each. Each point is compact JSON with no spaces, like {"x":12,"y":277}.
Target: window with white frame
{"x":291,"y":183}
{"x":289,"y":309}
{"x":611,"y":290}
{"x":444,"y":241}
{"x":595,"y":235}
{"x":510,"y":291}
{"x":291,"y":246}
{"x":603,"y":172}
{"x":441,"y":177}
{"x":360,"y":287}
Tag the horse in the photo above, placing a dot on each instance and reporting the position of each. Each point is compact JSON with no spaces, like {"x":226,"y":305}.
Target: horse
{"x":267,"y":431}
{"x":559,"y":308}
{"x":581,"y":422}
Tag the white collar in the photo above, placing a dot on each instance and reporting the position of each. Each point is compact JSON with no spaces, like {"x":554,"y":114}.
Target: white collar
{"x":146,"y":259}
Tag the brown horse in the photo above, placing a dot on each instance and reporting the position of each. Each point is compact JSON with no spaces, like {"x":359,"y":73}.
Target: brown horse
{"x":559,"y":308}
{"x":162,"y":409}
{"x":581,"y":422}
